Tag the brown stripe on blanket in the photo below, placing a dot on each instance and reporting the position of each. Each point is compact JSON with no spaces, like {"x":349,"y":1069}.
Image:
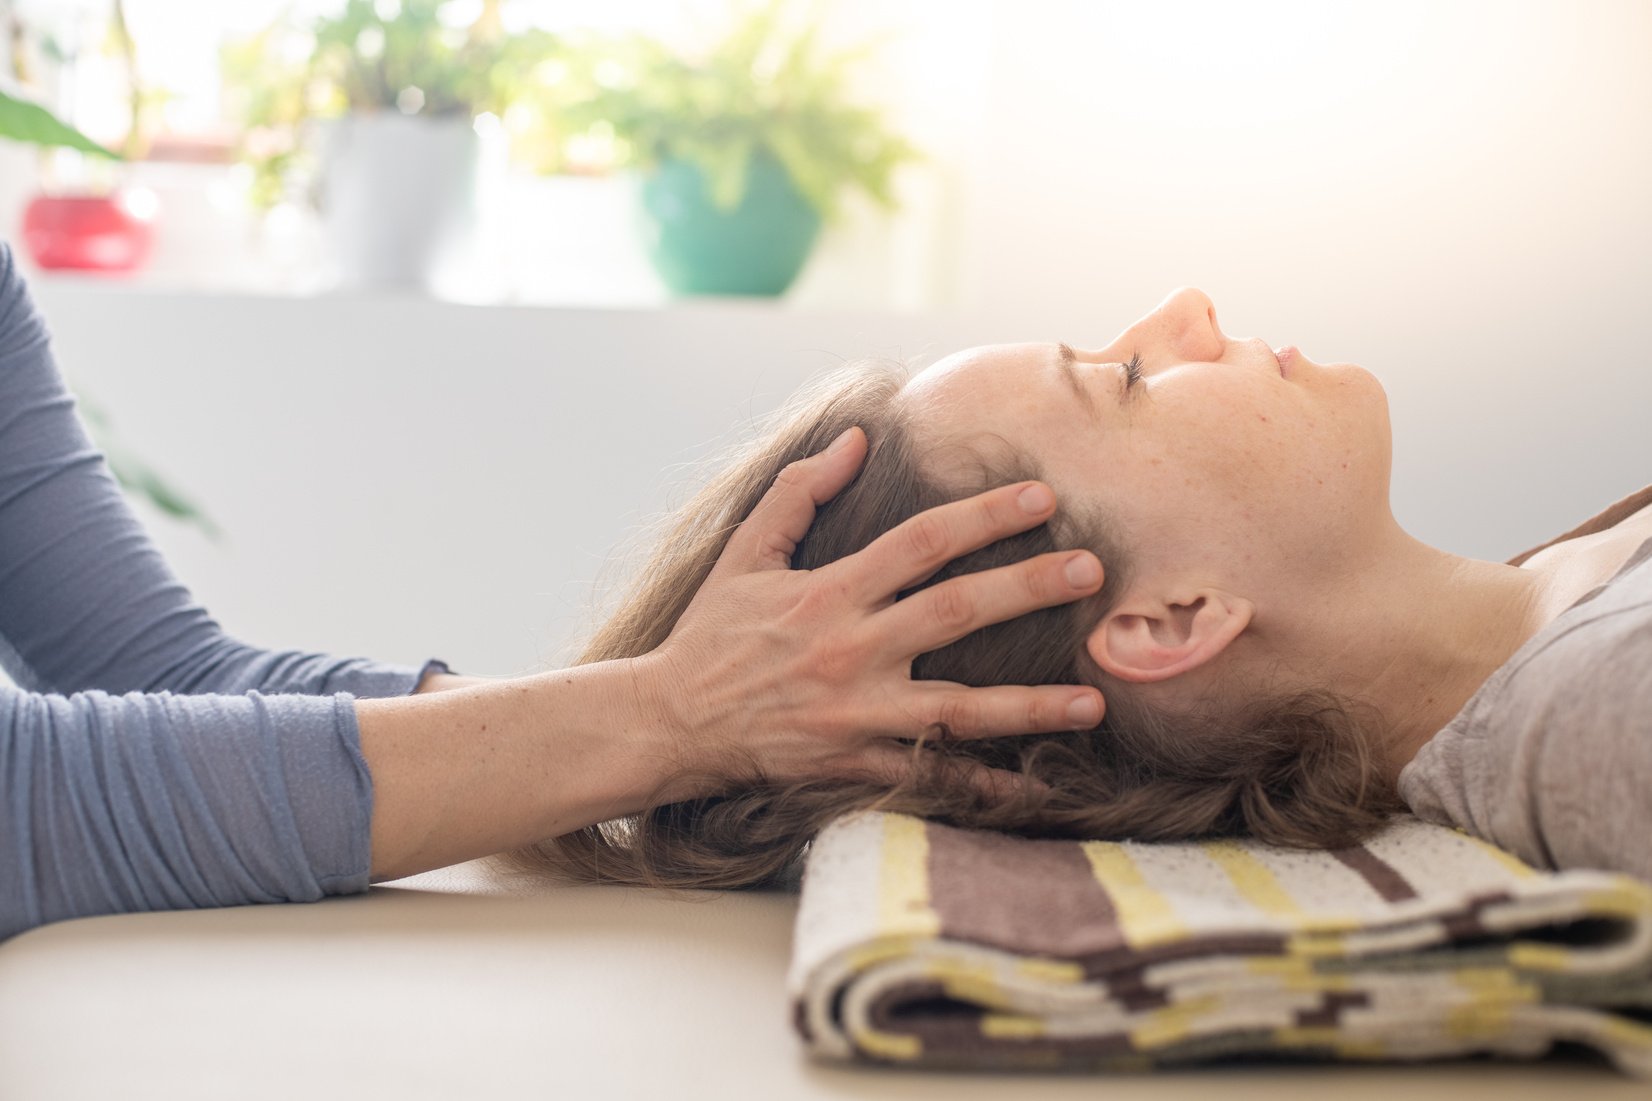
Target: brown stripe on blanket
{"x":1383,"y":877}
{"x":945,"y":1025}
{"x":1059,"y":1051}
{"x":1027,"y":896}
{"x":898,"y":1003}
{"x":1128,"y":990}
{"x":1464,"y":926}
{"x":1107,"y":966}
{"x":800,"y":1019}
{"x":1328,"y":1014}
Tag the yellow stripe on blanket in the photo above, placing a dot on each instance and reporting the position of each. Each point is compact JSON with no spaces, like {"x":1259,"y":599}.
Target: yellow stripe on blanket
{"x":1145,"y":916}
{"x":1257,"y":884}
{"x":862,"y":956}
{"x":1540,"y":957}
{"x":1296,"y":974}
{"x":887,"y":1045}
{"x":1508,"y":860}
{"x":970,"y":981}
{"x":903,"y":879}
{"x":1173,"y":1023}
{"x":1050,"y":971}
{"x":1496,"y":993}
{"x":1253,"y":879}
{"x":1345,"y":1046}
{"x":1627,"y":900}
{"x":1010,"y":1026}
{"x":1629,"y":1034}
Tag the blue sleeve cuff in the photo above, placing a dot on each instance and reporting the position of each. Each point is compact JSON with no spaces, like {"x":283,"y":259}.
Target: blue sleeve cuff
{"x":335,"y":817}
{"x":374,"y":680}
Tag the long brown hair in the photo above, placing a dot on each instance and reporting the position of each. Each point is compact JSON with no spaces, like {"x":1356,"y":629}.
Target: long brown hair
{"x":1296,"y":771}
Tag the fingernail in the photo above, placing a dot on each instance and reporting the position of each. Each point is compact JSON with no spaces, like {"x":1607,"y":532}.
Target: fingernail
{"x":1036,"y":499}
{"x":1083,"y":712}
{"x":840,"y":443}
{"x":1083,"y":570}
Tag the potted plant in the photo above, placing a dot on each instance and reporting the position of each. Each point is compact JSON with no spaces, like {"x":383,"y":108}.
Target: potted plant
{"x":30,"y":123}
{"x":744,"y":150}
{"x":104,"y":226}
{"x":399,"y":96}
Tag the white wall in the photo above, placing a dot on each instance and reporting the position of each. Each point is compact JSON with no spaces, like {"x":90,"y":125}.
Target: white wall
{"x":1456,"y":195}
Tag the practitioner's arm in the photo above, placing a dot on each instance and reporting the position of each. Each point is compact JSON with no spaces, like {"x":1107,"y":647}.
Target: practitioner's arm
{"x":86,"y":600}
{"x":474,"y":770}
{"x":806,"y":672}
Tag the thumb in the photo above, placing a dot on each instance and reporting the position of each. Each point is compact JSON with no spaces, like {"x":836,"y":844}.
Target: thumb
{"x":766,"y":539}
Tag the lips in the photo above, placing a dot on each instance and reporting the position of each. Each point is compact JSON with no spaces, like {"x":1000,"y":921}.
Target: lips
{"x":1283,"y":356}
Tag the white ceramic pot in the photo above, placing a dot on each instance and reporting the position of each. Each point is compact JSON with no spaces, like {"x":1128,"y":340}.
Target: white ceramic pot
{"x":398,"y":196}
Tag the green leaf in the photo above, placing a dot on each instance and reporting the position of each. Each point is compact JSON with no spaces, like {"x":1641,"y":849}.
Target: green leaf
{"x":29,"y":122}
{"x":762,"y":86}
{"x":137,"y":478}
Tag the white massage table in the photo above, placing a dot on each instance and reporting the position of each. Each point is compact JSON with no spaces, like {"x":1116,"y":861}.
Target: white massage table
{"x":455,"y":984}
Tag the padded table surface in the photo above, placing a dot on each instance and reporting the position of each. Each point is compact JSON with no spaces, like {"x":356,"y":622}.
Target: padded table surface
{"x":457,"y":983}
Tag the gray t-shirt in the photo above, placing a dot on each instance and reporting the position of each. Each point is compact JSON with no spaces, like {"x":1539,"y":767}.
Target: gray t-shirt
{"x":148,"y":761}
{"x":1552,"y":758}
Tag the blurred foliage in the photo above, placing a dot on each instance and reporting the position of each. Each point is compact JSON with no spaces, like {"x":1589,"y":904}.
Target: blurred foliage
{"x":138,"y":477}
{"x":761,"y":86}
{"x":25,"y":121}
{"x":410,"y":56}
{"x":28,"y":122}
{"x":31,"y":47}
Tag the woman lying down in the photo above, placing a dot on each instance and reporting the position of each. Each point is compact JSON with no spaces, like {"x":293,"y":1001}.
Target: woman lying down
{"x":1279,"y":658}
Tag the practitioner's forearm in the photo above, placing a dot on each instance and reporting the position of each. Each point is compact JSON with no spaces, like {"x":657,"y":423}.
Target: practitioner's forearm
{"x":462,"y":773}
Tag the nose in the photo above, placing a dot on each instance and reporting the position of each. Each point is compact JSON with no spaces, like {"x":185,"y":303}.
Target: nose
{"x":1182,"y":327}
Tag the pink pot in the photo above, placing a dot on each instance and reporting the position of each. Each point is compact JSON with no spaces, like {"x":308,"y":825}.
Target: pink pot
{"x":90,"y":232}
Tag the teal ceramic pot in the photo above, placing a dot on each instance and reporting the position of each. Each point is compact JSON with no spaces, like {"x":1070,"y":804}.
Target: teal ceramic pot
{"x":757,"y":248}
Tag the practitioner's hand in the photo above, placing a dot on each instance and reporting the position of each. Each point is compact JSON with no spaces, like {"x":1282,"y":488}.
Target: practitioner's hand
{"x":810,"y":671}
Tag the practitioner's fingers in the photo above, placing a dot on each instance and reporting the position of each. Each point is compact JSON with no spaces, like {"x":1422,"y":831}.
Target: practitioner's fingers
{"x":914,"y":549}
{"x":767,"y":538}
{"x":944,"y":613}
{"x":947,"y":710}
{"x":890,"y":763}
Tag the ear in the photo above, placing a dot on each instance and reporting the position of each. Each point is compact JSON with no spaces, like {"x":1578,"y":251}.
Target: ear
{"x":1150,"y":638}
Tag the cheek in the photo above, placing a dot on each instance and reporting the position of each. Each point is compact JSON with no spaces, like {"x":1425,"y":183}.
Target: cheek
{"x":1237,"y":440}
{"x":1265,"y":474}
{"x":1247,"y":463}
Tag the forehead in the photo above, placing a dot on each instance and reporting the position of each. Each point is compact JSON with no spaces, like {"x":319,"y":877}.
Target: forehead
{"x":995,"y":391}
{"x":983,"y":357}
{"x":975,"y":371}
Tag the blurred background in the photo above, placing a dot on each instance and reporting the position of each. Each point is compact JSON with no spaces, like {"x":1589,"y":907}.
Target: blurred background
{"x":399,"y":316}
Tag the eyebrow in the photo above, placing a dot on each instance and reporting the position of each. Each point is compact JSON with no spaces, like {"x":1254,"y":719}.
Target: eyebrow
{"x":1066,"y":359}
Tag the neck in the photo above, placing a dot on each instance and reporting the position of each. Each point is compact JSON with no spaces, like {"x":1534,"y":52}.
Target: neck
{"x":1429,"y":628}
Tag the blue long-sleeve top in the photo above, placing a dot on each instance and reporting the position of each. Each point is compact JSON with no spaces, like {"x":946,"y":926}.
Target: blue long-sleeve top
{"x":148,"y":761}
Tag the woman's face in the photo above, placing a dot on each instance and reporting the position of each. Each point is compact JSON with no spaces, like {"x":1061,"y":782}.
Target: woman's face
{"x":1219,"y":467}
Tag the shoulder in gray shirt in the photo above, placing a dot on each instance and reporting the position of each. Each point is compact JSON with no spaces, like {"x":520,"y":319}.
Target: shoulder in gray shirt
{"x":1552,"y":758}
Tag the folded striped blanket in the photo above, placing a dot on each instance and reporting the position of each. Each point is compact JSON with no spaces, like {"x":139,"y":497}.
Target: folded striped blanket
{"x":923,"y":944}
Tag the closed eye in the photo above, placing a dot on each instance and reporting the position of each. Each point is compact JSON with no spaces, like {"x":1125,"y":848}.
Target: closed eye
{"x":1132,"y":371}
{"x":1067,"y":359}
